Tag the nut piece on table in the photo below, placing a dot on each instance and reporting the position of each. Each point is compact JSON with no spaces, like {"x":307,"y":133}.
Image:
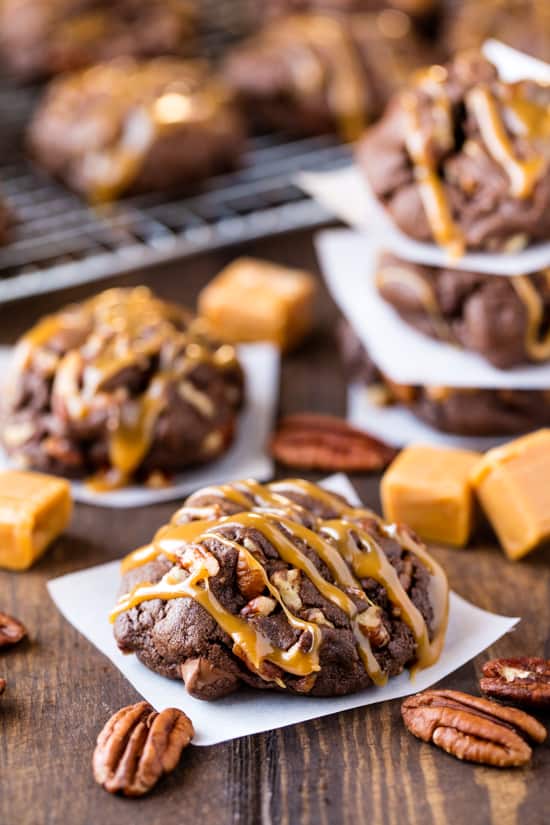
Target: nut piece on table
{"x":253,"y":300}
{"x":428,"y":489}
{"x":473,"y":729}
{"x":34,"y":510}
{"x":524,"y":680}
{"x":308,"y":441}
{"x":11,"y":630}
{"x":512,"y":485}
{"x":137,"y":746}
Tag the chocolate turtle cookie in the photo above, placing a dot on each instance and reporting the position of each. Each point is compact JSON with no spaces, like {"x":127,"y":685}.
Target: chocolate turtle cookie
{"x":282,"y":586}
{"x":121,"y":387}
{"x":504,"y":319}
{"x":523,"y":24}
{"x":315,"y":73}
{"x":462,"y":158}
{"x":455,"y":410}
{"x":39,"y":38}
{"x":129,"y":126}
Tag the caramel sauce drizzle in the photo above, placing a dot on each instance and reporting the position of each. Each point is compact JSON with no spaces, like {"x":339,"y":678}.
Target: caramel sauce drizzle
{"x":146,"y":101}
{"x":323,"y":57}
{"x":124,"y":329}
{"x":537,"y":347}
{"x":347,"y":550}
{"x":533,"y":121}
{"x":388,"y":274}
{"x":430,"y":185}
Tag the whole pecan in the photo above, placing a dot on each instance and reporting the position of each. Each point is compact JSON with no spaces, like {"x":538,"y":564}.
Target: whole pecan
{"x":524,"y":680}
{"x":137,"y":746}
{"x":309,"y":441}
{"x":11,"y":630}
{"x":472,"y":728}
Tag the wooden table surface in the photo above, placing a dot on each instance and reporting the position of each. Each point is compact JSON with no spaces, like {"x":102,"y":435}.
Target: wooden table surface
{"x":348,"y":769}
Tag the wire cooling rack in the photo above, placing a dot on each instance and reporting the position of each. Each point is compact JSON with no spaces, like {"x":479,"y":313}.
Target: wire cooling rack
{"x":59,"y":241}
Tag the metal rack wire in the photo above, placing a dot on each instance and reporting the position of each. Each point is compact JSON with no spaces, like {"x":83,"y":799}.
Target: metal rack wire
{"x":59,"y":241}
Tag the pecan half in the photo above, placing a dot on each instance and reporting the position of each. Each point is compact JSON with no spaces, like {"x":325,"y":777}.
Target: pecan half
{"x":524,"y":680}
{"x":322,"y":442}
{"x":472,"y":728}
{"x":250,"y":580}
{"x":137,"y":746}
{"x":11,"y":630}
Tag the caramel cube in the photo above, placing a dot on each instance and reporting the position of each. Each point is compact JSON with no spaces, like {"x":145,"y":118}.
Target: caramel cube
{"x":34,"y":510}
{"x":428,"y":489}
{"x":253,"y":300}
{"x":513,"y":486}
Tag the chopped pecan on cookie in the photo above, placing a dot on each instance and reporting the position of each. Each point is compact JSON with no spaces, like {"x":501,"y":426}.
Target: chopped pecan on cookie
{"x":524,"y":680}
{"x":473,"y":729}
{"x":11,"y":630}
{"x":324,"y":442}
{"x":137,"y":746}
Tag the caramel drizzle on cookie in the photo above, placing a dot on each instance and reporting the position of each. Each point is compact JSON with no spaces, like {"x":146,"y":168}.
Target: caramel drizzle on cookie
{"x":323,"y":59}
{"x":125,"y":329}
{"x":403,"y":276}
{"x":147,"y":102}
{"x":530,"y":122}
{"x":430,"y":186}
{"x":344,"y":546}
{"x":537,"y":347}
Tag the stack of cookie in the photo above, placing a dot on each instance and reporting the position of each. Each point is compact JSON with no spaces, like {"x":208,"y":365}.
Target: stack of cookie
{"x":461,"y":160}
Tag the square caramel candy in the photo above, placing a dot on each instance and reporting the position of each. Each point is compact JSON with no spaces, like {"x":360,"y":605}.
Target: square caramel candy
{"x":428,"y":488}
{"x":34,"y":509}
{"x":253,"y":300}
{"x":513,"y":485}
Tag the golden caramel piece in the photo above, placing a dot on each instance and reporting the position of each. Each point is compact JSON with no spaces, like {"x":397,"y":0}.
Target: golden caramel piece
{"x":253,"y":300}
{"x":428,"y":489}
{"x":512,"y":483}
{"x":34,"y":510}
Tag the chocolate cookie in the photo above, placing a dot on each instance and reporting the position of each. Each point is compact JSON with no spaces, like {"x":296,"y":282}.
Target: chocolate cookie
{"x":282,"y":586}
{"x":503,"y":319}
{"x":462,"y":158}
{"x":523,"y":24}
{"x":129,"y":126}
{"x":121,"y":387}
{"x":455,"y":410}
{"x":39,"y":38}
{"x":315,"y":73}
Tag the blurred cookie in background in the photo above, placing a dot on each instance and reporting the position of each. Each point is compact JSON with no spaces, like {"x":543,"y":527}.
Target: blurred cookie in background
{"x":523,"y":24}
{"x":39,"y":38}
{"x":417,"y":8}
{"x":129,"y":126}
{"x":313,"y":73}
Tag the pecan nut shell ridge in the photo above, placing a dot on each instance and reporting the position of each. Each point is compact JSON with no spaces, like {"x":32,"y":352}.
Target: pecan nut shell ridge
{"x":137,"y":746}
{"x":524,"y":680}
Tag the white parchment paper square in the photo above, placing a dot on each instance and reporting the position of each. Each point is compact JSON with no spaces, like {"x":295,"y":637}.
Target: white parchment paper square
{"x":348,"y":261}
{"x":246,"y":458}
{"x":345,"y":193}
{"x":85,"y":599}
